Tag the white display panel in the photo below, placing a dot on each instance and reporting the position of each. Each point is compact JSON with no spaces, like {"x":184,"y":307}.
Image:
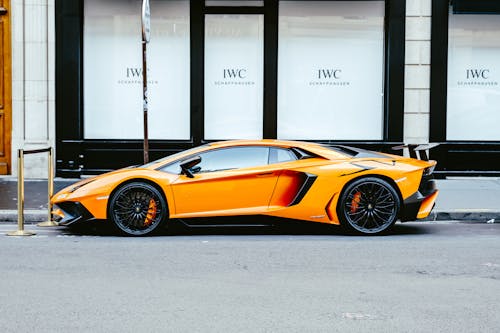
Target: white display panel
{"x":473,"y":109}
{"x":232,"y":3}
{"x":233,"y":76}
{"x":113,"y":107}
{"x":331,"y":70}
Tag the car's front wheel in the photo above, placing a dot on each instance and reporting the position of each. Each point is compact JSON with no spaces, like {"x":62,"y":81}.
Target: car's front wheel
{"x":368,"y":206}
{"x":137,"y":209}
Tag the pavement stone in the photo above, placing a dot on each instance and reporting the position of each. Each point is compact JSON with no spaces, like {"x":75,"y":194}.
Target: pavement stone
{"x":472,"y":199}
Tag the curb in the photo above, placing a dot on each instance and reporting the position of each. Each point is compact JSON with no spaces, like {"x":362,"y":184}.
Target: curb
{"x":474,"y":215}
{"x":31,"y":216}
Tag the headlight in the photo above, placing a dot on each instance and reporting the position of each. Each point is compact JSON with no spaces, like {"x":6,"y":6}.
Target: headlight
{"x":80,"y":184}
{"x":62,"y":196}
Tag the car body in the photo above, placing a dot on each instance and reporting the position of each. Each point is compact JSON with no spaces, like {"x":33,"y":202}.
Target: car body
{"x":364,"y":191}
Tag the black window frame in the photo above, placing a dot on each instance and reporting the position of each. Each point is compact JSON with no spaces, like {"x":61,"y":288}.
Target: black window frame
{"x":455,"y":157}
{"x":76,"y":155}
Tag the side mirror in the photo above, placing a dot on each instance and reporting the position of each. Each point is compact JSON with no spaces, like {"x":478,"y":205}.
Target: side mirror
{"x":186,"y":165}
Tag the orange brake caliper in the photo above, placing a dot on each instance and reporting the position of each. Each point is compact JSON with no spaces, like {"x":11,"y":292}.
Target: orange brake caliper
{"x":355,"y":202}
{"x":152,"y":210}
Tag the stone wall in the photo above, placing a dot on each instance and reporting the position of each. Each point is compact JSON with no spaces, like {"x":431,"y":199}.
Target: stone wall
{"x":417,"y":71}
{"x":33,"y":71}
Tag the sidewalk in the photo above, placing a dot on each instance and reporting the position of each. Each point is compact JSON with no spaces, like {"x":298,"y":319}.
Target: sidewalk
{"x":35,"y":198}
{"x":467,"y":199}
{"x":460,"y":199}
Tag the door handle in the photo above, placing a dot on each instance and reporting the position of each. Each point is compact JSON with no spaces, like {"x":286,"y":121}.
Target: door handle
{"x":3,"y":10}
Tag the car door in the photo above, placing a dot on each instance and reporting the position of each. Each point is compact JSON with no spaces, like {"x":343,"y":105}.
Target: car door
{"x":227,"y":181}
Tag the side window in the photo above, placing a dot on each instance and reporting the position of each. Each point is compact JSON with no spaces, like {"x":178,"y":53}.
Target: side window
{"x":174,"y":168}
{"x":226,"y":159}
{"x":280,"y":155}
{"x":233,"y":158}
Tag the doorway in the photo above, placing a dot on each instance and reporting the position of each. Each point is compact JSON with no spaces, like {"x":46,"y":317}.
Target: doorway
{"x":5,"y":89}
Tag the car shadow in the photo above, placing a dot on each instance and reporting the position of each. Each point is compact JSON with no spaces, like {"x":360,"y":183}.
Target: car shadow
{"x":241,"y":226}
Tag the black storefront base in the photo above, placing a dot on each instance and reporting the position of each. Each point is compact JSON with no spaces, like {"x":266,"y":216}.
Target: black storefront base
{"x":467,"y":159}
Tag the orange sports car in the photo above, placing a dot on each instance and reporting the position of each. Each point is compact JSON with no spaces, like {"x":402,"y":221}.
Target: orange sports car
{"x":364,"y":191}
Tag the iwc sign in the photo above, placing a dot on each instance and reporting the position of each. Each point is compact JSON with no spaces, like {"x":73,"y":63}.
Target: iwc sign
{"x":478,"y":77}
{"x":133,"y":75}
{"x":234,"y":76}
{"x":328,"y":77}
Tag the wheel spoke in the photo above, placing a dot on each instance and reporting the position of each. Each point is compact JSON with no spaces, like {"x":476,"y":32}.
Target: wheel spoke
{"x":356,"y":221}
{"x":359,"y":211}
{"x":384,"y":212}
{"x":385,"y":205}
{"x":378,"y":217}
{"x":384,"y":198}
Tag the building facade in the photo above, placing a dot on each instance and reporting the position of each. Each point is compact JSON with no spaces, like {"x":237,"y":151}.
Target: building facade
{"x":374,"y":74}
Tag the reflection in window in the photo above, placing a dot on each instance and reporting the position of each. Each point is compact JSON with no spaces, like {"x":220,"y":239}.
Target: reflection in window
{"x":280,"y":155}
{"x":233,"y":158}
{"x":225,"y":159}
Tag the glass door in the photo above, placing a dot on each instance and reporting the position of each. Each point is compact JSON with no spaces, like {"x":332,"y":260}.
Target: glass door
{"x":234,"y":73}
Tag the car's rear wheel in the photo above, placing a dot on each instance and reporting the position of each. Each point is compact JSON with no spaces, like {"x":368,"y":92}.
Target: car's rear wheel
{"x":137,"y":209}
{"x":368,"y":206}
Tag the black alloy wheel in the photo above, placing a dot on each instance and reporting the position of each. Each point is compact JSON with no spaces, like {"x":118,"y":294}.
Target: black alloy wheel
{"x":368,"y":206}
{"x":137,"y":209}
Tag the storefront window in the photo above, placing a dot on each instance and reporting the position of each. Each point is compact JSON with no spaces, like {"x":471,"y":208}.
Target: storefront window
{"x":473,"y":78}
{"x":113,"y":107}
{"x":331,"y":70}
{"x":233,"y":76}
{"x":232,"y":3}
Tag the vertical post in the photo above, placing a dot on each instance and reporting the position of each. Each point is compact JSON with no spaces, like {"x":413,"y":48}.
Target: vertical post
{"x":146,"y":33}
{"x":50,"y":183}
{"x":20,"y":198}
{"x":20,"y":190}
{"x":50,"y":192}
{"x":145,"y":101}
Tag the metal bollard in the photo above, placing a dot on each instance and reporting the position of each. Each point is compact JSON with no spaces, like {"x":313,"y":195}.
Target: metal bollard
{"x":50,"y":192}
{"x":20,"y":192}
{"x":20,"y":198}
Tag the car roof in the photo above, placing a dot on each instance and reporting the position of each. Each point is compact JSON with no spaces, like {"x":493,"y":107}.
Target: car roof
{"x":263,"y":142}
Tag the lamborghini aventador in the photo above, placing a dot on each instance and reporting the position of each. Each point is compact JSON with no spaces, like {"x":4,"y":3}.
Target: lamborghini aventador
{"x":364,"y":192}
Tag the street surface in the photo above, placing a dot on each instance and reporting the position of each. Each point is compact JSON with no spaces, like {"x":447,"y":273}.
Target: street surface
{"x":426,"y":277}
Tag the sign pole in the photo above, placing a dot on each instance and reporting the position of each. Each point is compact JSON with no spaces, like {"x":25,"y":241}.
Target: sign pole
{"x":146,"y":34}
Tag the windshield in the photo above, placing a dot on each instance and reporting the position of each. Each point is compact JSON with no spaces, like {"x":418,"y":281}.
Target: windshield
{"x":173,"y":156}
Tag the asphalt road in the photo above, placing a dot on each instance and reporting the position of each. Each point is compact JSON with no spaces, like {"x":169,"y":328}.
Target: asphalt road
{"x":425,"y":277}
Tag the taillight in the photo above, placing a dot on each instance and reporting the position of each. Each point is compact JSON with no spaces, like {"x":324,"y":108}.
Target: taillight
{"x":429,"y":170}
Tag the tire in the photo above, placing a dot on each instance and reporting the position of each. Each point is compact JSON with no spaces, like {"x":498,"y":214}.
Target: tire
{"x":137,"y":209}
{"x":368,"y":206}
